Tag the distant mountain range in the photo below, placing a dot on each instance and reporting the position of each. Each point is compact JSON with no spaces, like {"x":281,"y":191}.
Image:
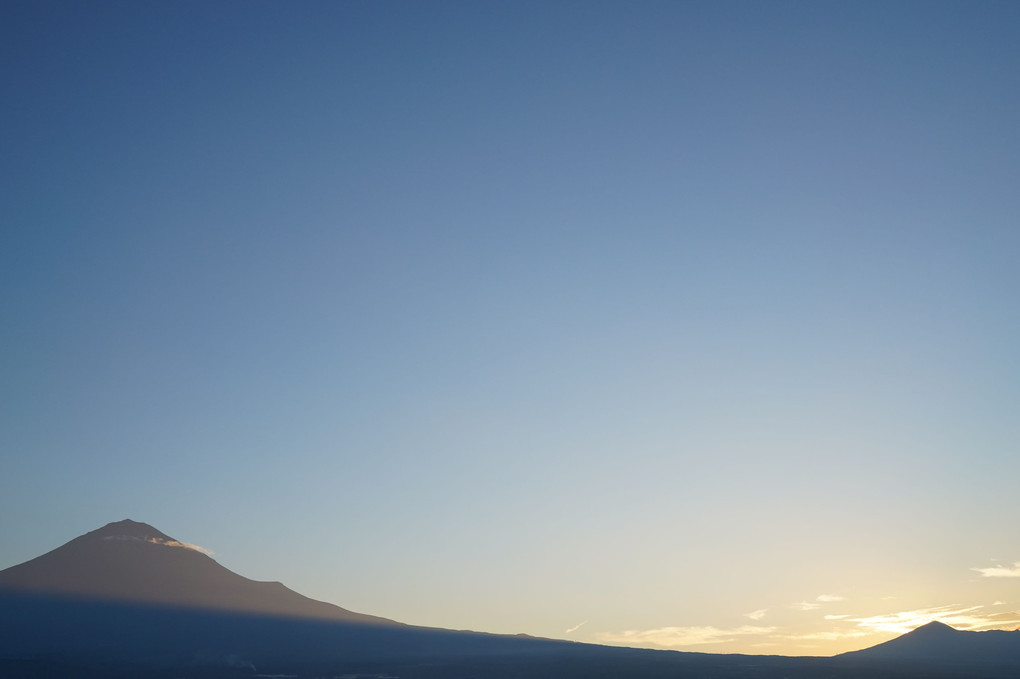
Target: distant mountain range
{"x":127,"y":600}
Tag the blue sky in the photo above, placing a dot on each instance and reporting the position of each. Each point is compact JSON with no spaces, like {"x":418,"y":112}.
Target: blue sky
{"x":509,"y":316}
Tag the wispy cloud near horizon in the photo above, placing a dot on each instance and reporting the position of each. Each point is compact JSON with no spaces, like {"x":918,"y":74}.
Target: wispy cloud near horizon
{"x":671,"y":637}
{"x":960,"y":617}
{"x":1000,"y":571}
{"x":757,"y":615}
{"x":575,"y":627}
{"x":817,"y":603}
{"x":806,"y":606}
{"x":829,"y":635}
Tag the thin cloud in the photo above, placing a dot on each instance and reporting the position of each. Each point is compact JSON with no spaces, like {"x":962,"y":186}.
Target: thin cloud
{"x":182,"y":545}
{"x":1000,"y":571}
{"x":757,"y":615}
{"x":575,"y":627}
{"x":836,"y":617}
{"x":966,"y":618}
{"x":161,"y":541}
{"x":671,"y":637}
{"x":806,"y":606}
{"x":817,"y":603}
{"x":831,"y":635}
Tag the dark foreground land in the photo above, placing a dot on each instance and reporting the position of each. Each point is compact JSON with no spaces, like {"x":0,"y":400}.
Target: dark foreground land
{"x":44,"y":637}
{"x":126,"y":601}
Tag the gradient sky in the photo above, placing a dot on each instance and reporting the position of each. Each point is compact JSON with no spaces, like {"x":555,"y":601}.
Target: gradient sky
{"x":686,"y":325}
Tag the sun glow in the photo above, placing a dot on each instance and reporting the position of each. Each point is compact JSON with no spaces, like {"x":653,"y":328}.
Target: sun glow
{"x":963,"y":618}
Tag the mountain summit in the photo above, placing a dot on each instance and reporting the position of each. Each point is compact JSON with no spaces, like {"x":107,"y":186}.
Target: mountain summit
{"x":934,"y":628}
{"x":129,"y":561}
{"x":938,"y":643}
{"x":130,"y":529}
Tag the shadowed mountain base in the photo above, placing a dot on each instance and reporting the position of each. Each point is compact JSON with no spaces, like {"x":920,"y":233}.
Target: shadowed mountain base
{"x":129,"y":601}
{"x":43,"y":637}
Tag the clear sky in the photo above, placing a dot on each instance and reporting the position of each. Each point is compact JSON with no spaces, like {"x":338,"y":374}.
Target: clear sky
{"x":687,"y":324}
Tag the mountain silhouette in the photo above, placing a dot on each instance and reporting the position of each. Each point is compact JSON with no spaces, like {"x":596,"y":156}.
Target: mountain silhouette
{"x":938,"y":643}
{"x":128,"y":561}
{"x":127,"y":600}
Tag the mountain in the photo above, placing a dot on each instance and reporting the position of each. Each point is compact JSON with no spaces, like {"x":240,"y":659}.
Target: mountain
{"x":128,"y":601}
{"x":128,"y":561}
{"x":940,"y":644}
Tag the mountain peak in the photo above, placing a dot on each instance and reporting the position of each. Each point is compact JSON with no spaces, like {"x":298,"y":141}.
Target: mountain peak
{"x":132,"y":561}
{"x":936,"y":643}
{"x":934,"y":627}
{"x":129,"y":529}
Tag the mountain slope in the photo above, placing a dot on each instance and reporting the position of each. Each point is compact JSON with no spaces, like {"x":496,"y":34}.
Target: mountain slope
{"x":938,"y":643}
{"x":127,"y":601}
{"x":128,"y":561}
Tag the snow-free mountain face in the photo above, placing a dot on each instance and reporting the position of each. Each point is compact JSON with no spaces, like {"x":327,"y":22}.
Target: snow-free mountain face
{"x":130,"y":561}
